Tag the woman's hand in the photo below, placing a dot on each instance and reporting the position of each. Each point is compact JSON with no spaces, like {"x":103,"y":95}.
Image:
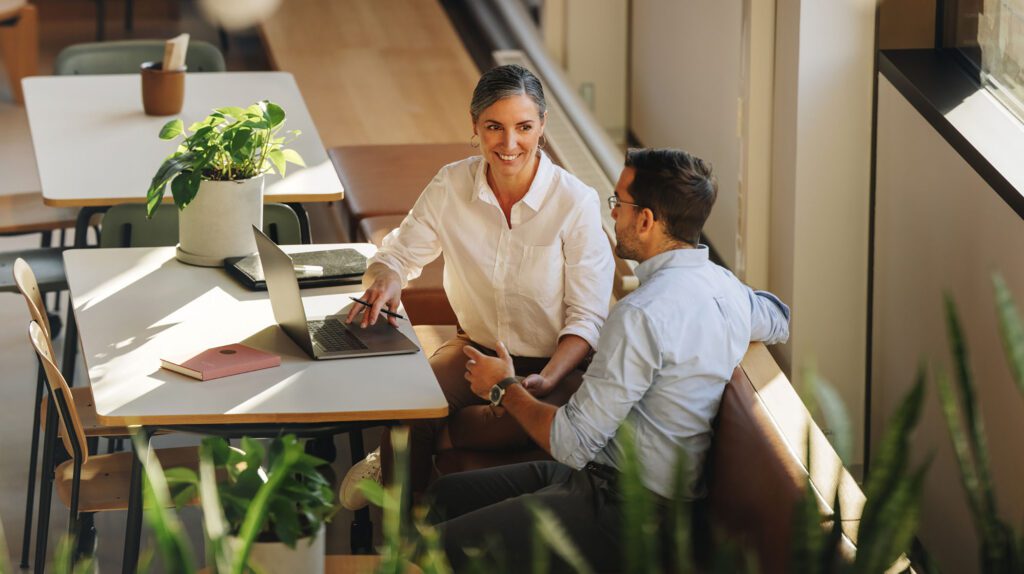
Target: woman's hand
{"x":385,"y":290}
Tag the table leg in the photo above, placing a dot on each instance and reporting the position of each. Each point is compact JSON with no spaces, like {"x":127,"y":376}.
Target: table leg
{"x":133,"y":528}
{"x":67,"y":365}
{"x":361,"y":529}
{"x":82,"y":224}
{"x":304,"y":230}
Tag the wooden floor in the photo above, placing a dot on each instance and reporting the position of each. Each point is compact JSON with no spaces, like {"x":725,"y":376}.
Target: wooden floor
{"x":376,"y":71}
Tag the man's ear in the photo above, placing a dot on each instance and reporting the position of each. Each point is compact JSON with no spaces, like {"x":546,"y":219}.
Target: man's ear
{"x":645,"y":221}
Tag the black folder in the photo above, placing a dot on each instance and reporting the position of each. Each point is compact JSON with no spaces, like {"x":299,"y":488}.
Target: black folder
{"x":340,"y":267}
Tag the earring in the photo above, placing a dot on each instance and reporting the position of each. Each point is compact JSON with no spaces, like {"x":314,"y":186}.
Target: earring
{"x":543,"y":141}
{"x":474,"y":142}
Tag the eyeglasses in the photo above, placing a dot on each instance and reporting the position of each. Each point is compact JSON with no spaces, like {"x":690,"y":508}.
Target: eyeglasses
{"x":614,"y":201}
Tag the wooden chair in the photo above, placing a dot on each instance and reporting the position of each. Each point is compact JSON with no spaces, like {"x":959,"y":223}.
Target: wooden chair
{"x":25,"y":280}
{"x":88,"y":483}
{"x":19,"y":43}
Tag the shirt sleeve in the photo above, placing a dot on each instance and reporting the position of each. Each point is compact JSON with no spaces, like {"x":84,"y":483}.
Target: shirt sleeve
{"x":415,"y":243}
{"x":769,"y":318}
{"x":589,"y":272}
{"x":628,"y":358}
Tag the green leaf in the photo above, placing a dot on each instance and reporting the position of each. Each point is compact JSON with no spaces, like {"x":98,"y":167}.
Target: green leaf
{"x":184,"y":188}
{"x":553,"y":534}
{"x":292,"y":156}
{"x":274,"y":114}
{"x":172,"y":129}
{"x":971,"y":409}
{"x":639,"y":524}
{"x":276,"y":157}
{"x":373,"y":491}
{"x":235,"y":112}
{"x":1010,"y":329}
{"x":167,"y":529}
{"x":171,"y":167}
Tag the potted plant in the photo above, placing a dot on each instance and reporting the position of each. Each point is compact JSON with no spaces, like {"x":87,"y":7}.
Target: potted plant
{"x":218,"y":173}
{"x":274,"y":502}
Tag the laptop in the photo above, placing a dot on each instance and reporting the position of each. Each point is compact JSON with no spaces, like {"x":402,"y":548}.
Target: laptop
{"x":329,"y":337}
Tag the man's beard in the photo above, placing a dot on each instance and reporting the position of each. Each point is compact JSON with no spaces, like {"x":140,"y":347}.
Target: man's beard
{"x":626,"y":249}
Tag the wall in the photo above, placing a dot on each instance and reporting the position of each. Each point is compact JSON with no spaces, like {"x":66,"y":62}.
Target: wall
{"x":685,"y":91}
{"x":820,"y":193}
{"x":588,"y":38}
{"x":940,"y":227}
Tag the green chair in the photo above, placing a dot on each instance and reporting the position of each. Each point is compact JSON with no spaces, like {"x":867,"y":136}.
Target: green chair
{"x":126,"y":225}
{"x":125,"y":57}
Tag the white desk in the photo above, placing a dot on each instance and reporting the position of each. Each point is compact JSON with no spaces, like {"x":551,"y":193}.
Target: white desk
{"x":95,"y":147}
{"x":135,"y":306}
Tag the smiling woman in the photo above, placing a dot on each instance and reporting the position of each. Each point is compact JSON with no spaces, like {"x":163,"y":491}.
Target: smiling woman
{"x":526,"y":264}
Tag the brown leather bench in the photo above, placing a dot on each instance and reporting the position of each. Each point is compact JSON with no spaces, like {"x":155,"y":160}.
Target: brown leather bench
{"x":756,"y":471}
{"x":387,"y":179}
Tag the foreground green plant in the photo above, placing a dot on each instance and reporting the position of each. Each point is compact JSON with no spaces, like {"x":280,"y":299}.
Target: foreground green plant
{"x":272,"y":500}
{"x":231,"y":144}
{"x":1002,"y":546}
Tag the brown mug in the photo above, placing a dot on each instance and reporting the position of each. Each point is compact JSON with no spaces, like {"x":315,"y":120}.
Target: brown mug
{"x":163,"y":92}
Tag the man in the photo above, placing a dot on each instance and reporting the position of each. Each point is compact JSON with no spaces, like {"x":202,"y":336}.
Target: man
{"x":662,"y":362}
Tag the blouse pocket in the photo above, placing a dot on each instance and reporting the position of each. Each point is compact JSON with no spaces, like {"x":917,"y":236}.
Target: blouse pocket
{"x":541,"y":276}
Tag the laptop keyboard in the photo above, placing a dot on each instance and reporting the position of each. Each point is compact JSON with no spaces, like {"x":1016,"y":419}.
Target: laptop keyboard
{"x":332,"y":336}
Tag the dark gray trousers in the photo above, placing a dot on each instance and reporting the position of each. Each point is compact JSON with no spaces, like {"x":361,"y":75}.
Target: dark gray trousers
{"x":490,"y":509}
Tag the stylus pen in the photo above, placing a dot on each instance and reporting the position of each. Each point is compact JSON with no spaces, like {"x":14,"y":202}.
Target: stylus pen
{"x":385,"y":311}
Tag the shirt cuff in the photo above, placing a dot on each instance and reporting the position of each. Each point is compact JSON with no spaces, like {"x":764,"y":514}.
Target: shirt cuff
{"x":565,"y":446}
{"x":392,"y":263}
{"x":585,"y":331}
{"x":774,"y":299}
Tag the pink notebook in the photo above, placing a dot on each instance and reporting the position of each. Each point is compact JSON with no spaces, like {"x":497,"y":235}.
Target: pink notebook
{"x":223,"y":361}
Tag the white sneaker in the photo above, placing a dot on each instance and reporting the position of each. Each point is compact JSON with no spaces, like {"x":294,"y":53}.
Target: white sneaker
{"x":350,"y":494}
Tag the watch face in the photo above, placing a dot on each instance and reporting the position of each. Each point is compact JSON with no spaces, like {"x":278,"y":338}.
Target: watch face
{"x":496,"y":394}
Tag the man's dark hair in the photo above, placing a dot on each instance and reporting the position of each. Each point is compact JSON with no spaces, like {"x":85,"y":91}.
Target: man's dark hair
{"x":676,"y":186}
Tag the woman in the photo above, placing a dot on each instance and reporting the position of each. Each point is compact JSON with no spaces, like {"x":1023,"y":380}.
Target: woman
{"x":526,"y":263}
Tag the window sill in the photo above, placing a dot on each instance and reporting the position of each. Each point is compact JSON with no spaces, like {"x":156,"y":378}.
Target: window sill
{"x":972,"y":121}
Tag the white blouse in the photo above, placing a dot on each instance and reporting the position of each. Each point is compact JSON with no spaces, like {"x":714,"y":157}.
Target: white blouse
{"x":548,"y":276}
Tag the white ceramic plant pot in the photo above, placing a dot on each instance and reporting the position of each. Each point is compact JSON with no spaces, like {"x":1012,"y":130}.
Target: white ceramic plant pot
{"x":278,"y":558}
{"x":218,"y":223}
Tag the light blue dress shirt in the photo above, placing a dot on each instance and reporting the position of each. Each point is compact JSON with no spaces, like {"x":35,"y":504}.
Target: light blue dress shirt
{"x":663,"y":359}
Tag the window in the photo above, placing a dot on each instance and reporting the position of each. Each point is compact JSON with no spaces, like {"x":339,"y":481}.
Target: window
{"x":990,"y":34}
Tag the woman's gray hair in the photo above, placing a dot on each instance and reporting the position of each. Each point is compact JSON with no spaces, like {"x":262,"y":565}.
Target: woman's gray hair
{"x":502,"y":82}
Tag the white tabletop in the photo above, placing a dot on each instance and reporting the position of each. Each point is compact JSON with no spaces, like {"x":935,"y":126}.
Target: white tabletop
{"x":136,"y":306}
{"x":95,"y":146}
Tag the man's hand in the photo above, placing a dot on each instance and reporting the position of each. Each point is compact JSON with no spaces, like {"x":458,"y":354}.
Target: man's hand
{"x":484,"y":372}
{"x":385,"y":290}
{"x":539,"y":385}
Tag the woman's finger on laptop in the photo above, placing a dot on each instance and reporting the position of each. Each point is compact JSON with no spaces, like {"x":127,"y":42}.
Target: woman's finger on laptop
{"x":355,"y":309}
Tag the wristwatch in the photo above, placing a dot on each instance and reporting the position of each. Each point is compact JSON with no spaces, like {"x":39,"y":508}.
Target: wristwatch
{"x":498,"y":390}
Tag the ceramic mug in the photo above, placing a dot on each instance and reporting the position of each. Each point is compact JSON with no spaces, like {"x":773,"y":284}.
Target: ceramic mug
{"x":163,"y":93}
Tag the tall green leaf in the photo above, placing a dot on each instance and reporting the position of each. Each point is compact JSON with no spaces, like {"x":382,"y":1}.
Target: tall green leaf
{"x":550,"y":530}
{"x":971,"y":408}
{"x":639,"y":526}
{"x":1011,"y":329}
{"x":171,"y":540}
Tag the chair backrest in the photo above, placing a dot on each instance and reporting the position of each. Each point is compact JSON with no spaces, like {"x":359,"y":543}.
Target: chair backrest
{"x":25,"y":279}
{"x":126,"y":225}
{"x":125,"y":57}
{"x":74,"y":433}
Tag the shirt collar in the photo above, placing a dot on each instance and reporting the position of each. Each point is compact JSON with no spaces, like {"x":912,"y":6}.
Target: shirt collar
{"x":695,"y":257}
{"x":534,"y":197}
